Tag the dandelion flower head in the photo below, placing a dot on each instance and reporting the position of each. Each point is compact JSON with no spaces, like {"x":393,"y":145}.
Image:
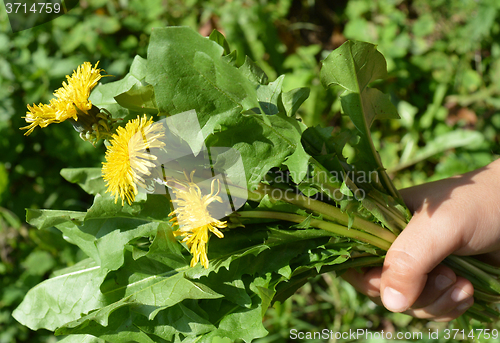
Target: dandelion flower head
{"x":128,"y":158}
{"x":77,"y":90}
{"x":194,"y":219}
{"x":70,"y":100}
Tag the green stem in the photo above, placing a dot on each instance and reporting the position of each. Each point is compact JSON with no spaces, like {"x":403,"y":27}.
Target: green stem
{"x":328,"y":212}
{"x":477,"y":315}
{"x":386,"y":181}
{"x":486,"y":314}
{"x":370,"y":261}
{"x":354,"y":263}
{"x":486,"y":297}
{"x":482,"y":265}
{"x":484,"y":308}
{"x":487,"y":279}
{"x":320,"y":224}
{"x":461,"y":271}
{"x":331,"y":188}
{"x":390,"y":211}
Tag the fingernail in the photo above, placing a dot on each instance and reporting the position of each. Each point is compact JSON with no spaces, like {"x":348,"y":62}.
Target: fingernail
{"x":458,"y":295}
{"x":394,"y":301}
{"x":443,"y":282}
{"x":375,"y":283}
{"x":372,"y":294}
{"x":465,"y":305}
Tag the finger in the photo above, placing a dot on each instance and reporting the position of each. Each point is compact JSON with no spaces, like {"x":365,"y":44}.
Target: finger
{"x":439,"y":280}
{"x":456,"y":313}
{"x":414,"y":197}
{"x":450,"y":304}
{"x":420,"y":247}
{"x":367,"y":281}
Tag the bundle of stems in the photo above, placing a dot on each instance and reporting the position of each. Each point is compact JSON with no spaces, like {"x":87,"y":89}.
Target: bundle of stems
{"x":328,"y":216}
{"x":483,"y":276}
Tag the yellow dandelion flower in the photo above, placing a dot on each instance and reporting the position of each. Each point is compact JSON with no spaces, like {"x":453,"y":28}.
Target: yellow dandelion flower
{"x":71,"y":100}
{"x":128,"y":158}
{"x":194,"y":219}
{"x":76,"y":91}
{"x":41,"y":115}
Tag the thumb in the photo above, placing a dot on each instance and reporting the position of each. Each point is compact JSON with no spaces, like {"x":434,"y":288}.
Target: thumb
{"x":420,"y":247}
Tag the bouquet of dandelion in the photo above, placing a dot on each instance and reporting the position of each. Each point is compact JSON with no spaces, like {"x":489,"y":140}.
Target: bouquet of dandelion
{"x":215,"y":201}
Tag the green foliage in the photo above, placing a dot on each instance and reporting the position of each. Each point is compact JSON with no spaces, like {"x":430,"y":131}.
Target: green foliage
{"x":40,"y":253}
{"x":352,"y":67}
{"x":134,"y":286}
{"x":438,"y":62}
{"x":145,"y":289}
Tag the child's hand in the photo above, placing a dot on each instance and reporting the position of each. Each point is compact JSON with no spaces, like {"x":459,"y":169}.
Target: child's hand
{"x":461,"y":216}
